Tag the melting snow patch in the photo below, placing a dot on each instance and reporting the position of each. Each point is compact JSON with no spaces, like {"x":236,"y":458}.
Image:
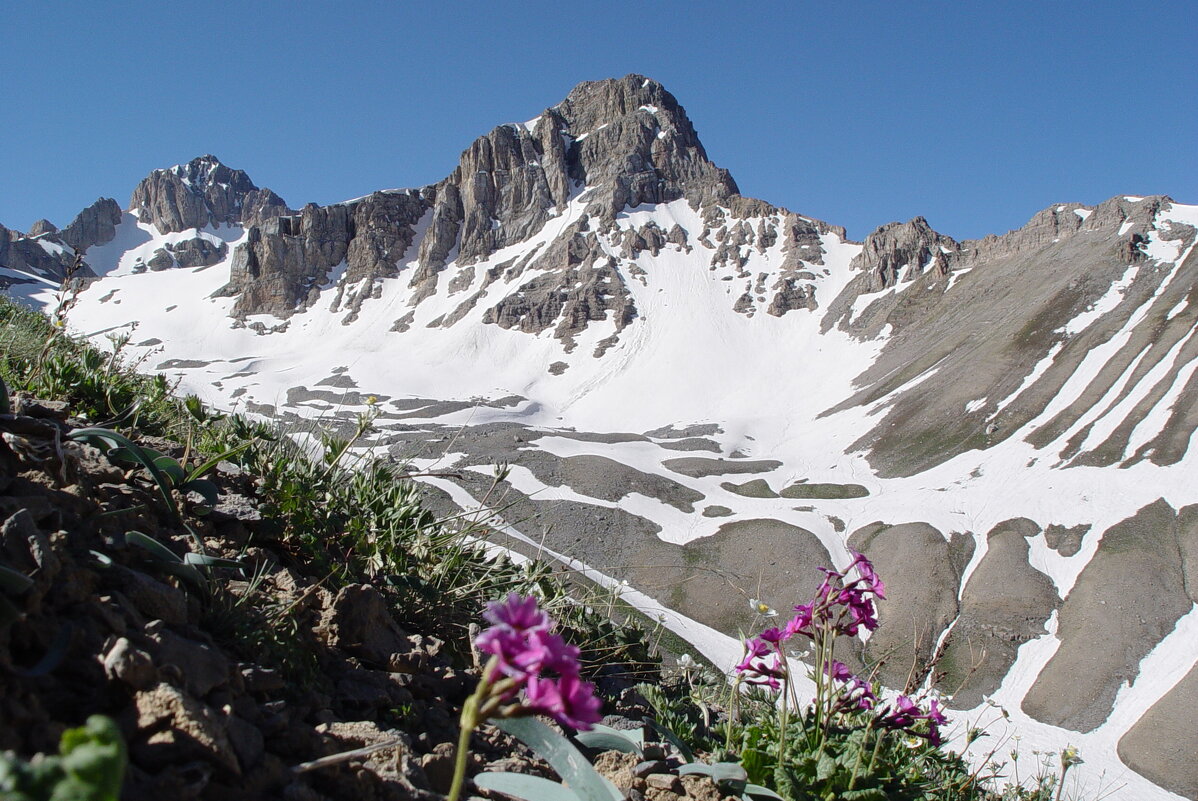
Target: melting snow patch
{"x":975,"y":405}
{"x":1083,"y":213}
{"x":1103,"y":305}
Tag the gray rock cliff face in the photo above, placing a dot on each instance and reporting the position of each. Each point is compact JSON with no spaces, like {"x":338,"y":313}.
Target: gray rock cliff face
{"x":286,"y":259}
{"x":95,"y":225}
{"x":627,"y":140}
{"x":42,"y":257}
{"x":202,"y":192}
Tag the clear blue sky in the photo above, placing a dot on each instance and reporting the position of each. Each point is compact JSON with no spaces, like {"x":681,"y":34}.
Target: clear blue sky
{"x":974,"y":115}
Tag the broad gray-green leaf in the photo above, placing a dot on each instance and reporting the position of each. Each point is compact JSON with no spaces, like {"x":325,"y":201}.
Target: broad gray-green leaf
{"x":209,"y":491}
{"x":757,"y":791}
{"x":160,"y":551}
{"x":203,"y":560}
{"x":720,"y":771}
{"x":563,"y":757}
{"x":605,"y":738}
{"x":528,"y":788}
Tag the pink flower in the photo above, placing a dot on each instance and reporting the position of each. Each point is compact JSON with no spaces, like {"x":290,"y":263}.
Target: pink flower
{"x":865,"y":569}
{"x":524,"y":654}
{"x":774,"y":635}
{"x":517,"y":612}
{"x":524,"y":648}
{"x":568,"y":700}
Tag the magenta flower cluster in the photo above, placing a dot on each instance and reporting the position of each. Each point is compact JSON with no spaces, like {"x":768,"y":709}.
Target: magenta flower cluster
{"x":838,"y":608}
{"x":841,"y":607}
{"x":904,"y":715}
{"x":524,"y":647}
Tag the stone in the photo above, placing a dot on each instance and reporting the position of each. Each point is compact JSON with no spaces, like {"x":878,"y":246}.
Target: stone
{"x":202,"y":666}
{"x":129,"y":664}
{"x":360,"y":624}
{"x":152,"y":598}
{"x":174,"y":727}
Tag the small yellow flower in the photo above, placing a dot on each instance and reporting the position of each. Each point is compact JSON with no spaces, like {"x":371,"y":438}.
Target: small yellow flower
{"x":371,"y":400}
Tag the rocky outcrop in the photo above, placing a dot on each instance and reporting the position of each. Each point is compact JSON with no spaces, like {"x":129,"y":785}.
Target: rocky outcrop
{"x":900,"y":252}
{"x":922,"y":570}
{"x":42,"y":257}
{"x":1136,"y":559}
{"x":200,"y":193}
{"x":577,"y":284}
{"x":283,"y":259}
{"x":1005,"y":603}
{"x":286,"y":259}
{"x":43,"y":227}
{"x":95,"y":225}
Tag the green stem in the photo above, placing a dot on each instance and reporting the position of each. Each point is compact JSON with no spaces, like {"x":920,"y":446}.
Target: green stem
{"x":861,"y":754}
{"x":873,"y":760}
{"x":784,"y":715}
{"x":469,"y":720}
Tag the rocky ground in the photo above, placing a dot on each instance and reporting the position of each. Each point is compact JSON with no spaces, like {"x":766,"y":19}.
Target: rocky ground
{"x":192,"y":674}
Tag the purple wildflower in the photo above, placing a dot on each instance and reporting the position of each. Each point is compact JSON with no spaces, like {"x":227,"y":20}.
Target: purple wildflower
{"x":865,"y":569}
{"x":568,"y":700}
{"x":517,"y":612}
{"x":774,"y":635}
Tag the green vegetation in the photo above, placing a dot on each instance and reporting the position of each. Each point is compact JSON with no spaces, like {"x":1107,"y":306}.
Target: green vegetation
{"x":89,"y":767}
{"x":825,"y":491}
{"x":757,"y":488}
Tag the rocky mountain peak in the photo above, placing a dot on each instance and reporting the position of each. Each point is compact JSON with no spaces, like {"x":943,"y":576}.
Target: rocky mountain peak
{"x":43,"y":227}
{"x":199,"y":193}
{"x":633,"y":139}
{"x":901,"y":251}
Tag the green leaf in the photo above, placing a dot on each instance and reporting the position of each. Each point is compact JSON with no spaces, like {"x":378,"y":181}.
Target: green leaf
{"x":159,"y":551}
{"x":215,"y":460}
{"x":169,"y":466}
{"x":13,"y":581}
{"x":605,"y":738}
{"x":204,"y":560}
{"x":93,"y":758}
{"x":528,"y":788}
{"x":757,"y":791}
{"x":673,"y":739}
{"x":826,"y":767}
{"x":720,"y":771}
{"x":137,"y":453}
{"x":563,"y":757}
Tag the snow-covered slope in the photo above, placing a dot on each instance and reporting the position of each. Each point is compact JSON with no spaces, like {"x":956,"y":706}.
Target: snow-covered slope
{"x":709,"y":396}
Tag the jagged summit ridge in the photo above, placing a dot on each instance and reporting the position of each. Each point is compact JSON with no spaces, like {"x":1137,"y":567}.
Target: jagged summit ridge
{"x":204,"y":192}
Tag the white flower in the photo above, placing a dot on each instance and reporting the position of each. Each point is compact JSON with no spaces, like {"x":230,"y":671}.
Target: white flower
{"x":686,"y":662}
{"x":762,"y":608}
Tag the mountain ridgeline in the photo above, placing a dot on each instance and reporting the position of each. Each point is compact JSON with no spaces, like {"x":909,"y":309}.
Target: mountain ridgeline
{"x":691,"y":384}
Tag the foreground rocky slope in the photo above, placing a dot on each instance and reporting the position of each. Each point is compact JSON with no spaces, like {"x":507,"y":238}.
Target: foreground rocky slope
{"x":689,"y":383}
